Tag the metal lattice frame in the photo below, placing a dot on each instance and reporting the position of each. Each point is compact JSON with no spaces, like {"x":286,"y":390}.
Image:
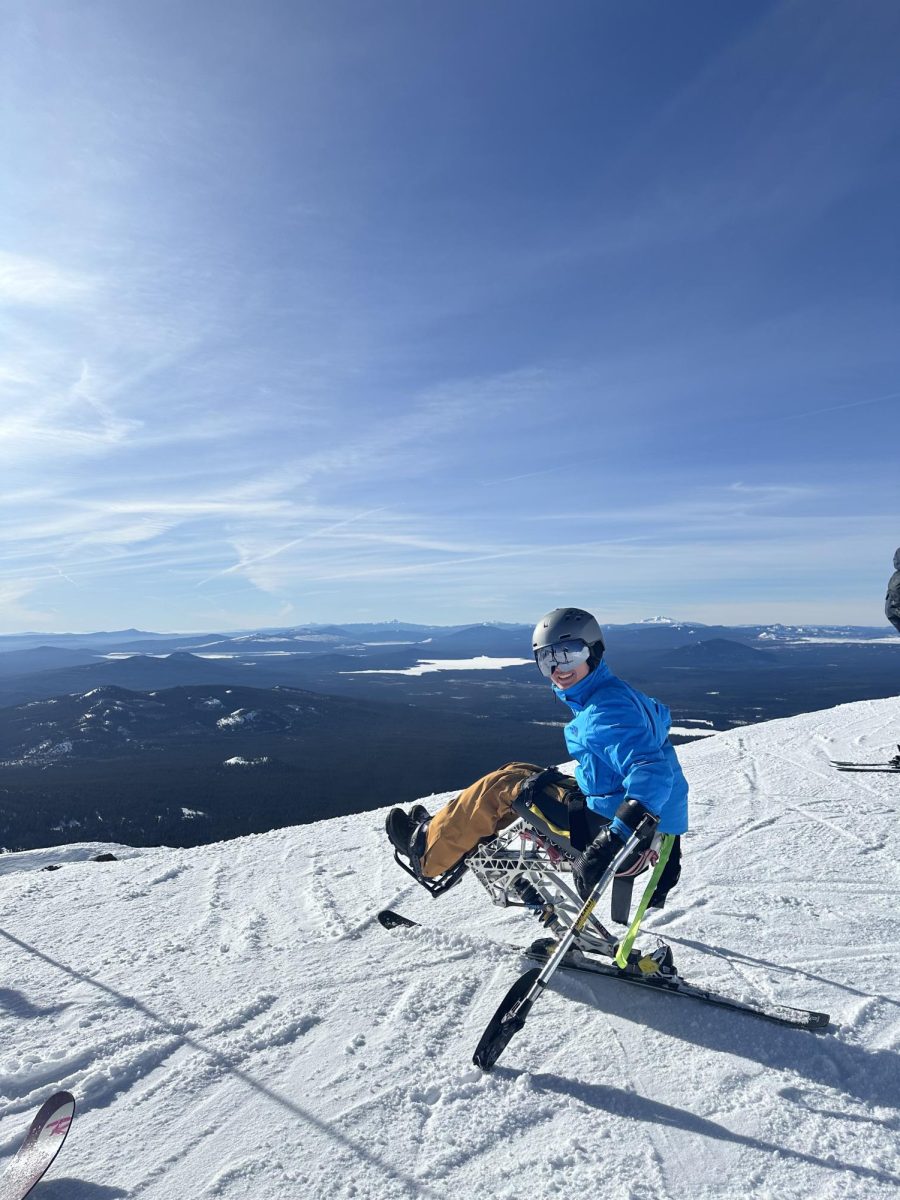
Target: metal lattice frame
{"x":519,"y":853}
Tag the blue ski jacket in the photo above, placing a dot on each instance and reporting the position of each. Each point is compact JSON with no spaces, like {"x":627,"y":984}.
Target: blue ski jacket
{"x":620,"y":739}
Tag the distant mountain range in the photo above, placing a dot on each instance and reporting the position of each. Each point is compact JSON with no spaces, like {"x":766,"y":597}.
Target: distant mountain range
{"x":656,"y":631}
{"x":150,"y":738}
{"x":717,"y":653}
{"x":340,"y":661}
{"x":186,"y":765}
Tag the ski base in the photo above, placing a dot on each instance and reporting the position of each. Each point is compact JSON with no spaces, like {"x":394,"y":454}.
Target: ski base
{"x":674,"y":985}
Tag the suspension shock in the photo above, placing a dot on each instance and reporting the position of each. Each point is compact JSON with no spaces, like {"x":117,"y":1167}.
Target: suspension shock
{"x":535,"y":902}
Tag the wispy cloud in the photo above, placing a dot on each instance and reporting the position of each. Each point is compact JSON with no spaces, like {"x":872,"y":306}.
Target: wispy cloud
{"x":830,"y":408}
{"x":271,"y":346}
{"x":32,"y":282}
{"x":247,"y":563}
{"x":708,"y":508}
{"x":16,"y":614}
{"x":524,"y":475}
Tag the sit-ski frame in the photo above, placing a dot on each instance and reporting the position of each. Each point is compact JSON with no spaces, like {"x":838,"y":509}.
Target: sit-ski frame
{"x":520,"y":853}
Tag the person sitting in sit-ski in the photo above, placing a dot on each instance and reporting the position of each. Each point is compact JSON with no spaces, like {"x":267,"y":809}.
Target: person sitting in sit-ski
{"x":626,"y":768}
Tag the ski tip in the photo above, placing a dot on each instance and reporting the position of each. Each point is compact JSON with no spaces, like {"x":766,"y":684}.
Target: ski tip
{"x":389,"y":919}
{"x":51,"y":1121}
{"x":59,"y":1106}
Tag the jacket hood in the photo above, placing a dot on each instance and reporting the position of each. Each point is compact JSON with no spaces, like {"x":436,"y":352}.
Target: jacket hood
{"x":897,"y":560}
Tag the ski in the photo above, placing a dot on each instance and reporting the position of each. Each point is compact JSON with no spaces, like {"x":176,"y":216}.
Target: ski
{"x":863,"y":766}
{"x":849,"y":764}
{"x":394,"y":920}
{"x":854,"y":762}
{"x":779,"y":1014}
{"x":41,"y":1145}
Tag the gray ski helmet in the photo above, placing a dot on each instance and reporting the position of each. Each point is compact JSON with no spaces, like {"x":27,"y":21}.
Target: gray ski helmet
{"x":563,"y":624}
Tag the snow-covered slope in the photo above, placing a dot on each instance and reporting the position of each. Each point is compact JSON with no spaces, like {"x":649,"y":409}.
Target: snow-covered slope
{"x":234,"y":1023}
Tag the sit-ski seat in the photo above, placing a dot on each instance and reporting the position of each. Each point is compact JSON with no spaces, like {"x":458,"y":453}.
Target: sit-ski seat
{"x":550,"y":818}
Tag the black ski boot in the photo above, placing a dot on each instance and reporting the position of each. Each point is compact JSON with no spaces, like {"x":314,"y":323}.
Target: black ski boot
{"x":408,"y":833}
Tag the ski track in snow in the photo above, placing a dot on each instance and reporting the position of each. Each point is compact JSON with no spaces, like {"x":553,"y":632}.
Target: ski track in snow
{"x":235,"y":1017}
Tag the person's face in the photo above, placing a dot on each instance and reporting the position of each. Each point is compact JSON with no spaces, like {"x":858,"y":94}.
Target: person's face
{"x":566,"y":677}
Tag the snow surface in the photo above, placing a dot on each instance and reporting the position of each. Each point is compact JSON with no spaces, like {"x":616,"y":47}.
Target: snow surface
{"x":234,"y":1023}
{"x":426,"y":665}
{"x":890,"y":640}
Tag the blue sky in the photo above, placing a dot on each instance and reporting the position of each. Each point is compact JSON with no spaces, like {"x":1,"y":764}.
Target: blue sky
{"x":447,"y":311}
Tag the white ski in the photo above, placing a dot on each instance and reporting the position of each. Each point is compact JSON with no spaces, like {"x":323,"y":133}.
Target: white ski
{"x":41,"y":1145}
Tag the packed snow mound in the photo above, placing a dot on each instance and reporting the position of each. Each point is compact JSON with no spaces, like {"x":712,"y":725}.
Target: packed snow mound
{"x":235,"y":1018}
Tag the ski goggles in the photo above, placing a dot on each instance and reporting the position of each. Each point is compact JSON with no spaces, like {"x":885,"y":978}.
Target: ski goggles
{"x":562,"y":656}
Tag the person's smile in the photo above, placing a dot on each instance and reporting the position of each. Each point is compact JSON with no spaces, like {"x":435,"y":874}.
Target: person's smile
{"x":565,"y":678}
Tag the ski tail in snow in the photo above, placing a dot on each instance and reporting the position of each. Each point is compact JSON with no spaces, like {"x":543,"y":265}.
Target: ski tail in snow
{"x":41,"y":1145}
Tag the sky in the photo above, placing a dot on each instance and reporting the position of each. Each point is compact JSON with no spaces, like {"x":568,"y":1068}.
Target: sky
{"x":332,"y":310}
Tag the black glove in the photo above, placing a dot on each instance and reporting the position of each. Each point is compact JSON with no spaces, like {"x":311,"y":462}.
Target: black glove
{"x":591,"y":863}
{"x":589,"y":866}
